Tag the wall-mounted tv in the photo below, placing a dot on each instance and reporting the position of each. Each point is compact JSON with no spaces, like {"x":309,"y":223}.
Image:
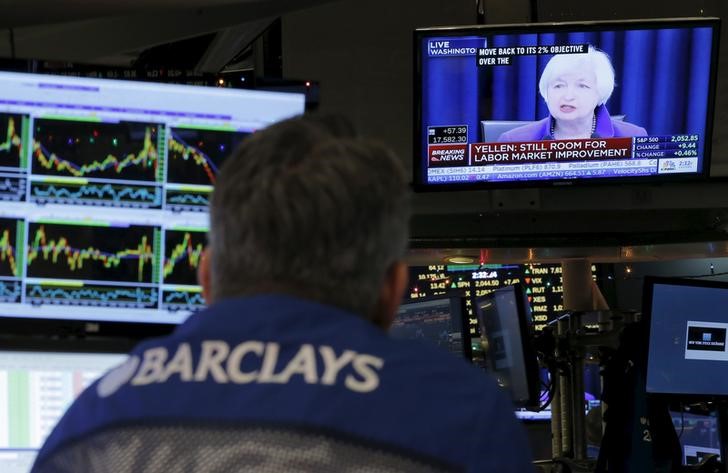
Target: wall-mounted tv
{"x":104,"y":187}
{"x":564,"y":103}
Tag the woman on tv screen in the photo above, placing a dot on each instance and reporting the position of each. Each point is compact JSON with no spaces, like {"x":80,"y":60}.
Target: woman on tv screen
{"x":575,"y":88}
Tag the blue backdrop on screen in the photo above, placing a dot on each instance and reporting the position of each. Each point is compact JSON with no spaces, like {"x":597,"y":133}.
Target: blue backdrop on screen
{"x":662,"y":78}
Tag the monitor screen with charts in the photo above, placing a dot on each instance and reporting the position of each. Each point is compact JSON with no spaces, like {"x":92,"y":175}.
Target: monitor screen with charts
{"x":104,"y":186}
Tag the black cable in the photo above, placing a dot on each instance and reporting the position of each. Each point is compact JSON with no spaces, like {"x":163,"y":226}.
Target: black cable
{"x":551,"y":388}
{"x":543,"y":407}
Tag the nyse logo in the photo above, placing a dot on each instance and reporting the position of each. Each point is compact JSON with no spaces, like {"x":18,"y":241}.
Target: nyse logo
{"x":701,"y":338}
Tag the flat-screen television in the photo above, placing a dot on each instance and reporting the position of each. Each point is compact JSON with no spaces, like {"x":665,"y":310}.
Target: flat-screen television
{"x":506,"y":334}
{"x":688,"y":322}
{"x":563,"y":103}
{"x":36,"y":388}
{"x":437,"y":321}
{"x":104,"y":187}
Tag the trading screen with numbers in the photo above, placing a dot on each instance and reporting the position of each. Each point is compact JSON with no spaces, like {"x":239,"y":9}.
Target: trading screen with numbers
{"x":104,"y":186}
{"x":542,"y":282}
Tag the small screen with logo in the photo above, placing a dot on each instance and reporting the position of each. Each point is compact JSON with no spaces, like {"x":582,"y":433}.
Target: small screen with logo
{"x":687,"y":345}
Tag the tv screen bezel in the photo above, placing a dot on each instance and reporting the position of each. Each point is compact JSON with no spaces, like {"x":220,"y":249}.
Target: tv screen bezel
{"x":419,"y":183}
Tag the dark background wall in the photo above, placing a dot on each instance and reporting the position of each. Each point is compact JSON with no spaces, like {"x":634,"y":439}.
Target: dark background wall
{"x":629,"y":285}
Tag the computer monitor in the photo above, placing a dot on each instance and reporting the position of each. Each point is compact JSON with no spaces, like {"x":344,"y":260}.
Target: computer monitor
{"x":104,"y":187}
{"x":687,"y":353}
{"x":490,"y":109}
{"x":699,"y":435}
{"x":438,"y":321}
{"x":505,"y":324}
{"x":36,"y":388}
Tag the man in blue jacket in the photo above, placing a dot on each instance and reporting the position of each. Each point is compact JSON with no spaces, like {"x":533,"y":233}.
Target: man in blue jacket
{"x":290,"y":367}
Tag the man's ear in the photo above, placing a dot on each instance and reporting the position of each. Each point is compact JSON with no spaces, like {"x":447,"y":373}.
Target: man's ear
{"x":391,"y":293}
{"x":204,"y":275}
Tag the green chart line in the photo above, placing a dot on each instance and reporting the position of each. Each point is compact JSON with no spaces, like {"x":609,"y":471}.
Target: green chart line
{"x":156,"y":260}
{"x":19,"y":247}
{"x":161,"y":152}
{"x":25,"y":140}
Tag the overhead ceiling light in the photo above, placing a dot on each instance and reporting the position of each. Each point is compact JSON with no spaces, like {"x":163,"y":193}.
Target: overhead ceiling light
{"x":460,"y":259}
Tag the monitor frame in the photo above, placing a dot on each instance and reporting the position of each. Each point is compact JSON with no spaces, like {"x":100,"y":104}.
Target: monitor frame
{"x":37,"y":334}
{"x":419,"y":183}
{"x":530,"y":359}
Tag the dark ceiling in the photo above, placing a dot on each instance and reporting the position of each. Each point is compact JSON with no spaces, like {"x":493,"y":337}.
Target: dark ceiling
{"x":211,"y":33}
